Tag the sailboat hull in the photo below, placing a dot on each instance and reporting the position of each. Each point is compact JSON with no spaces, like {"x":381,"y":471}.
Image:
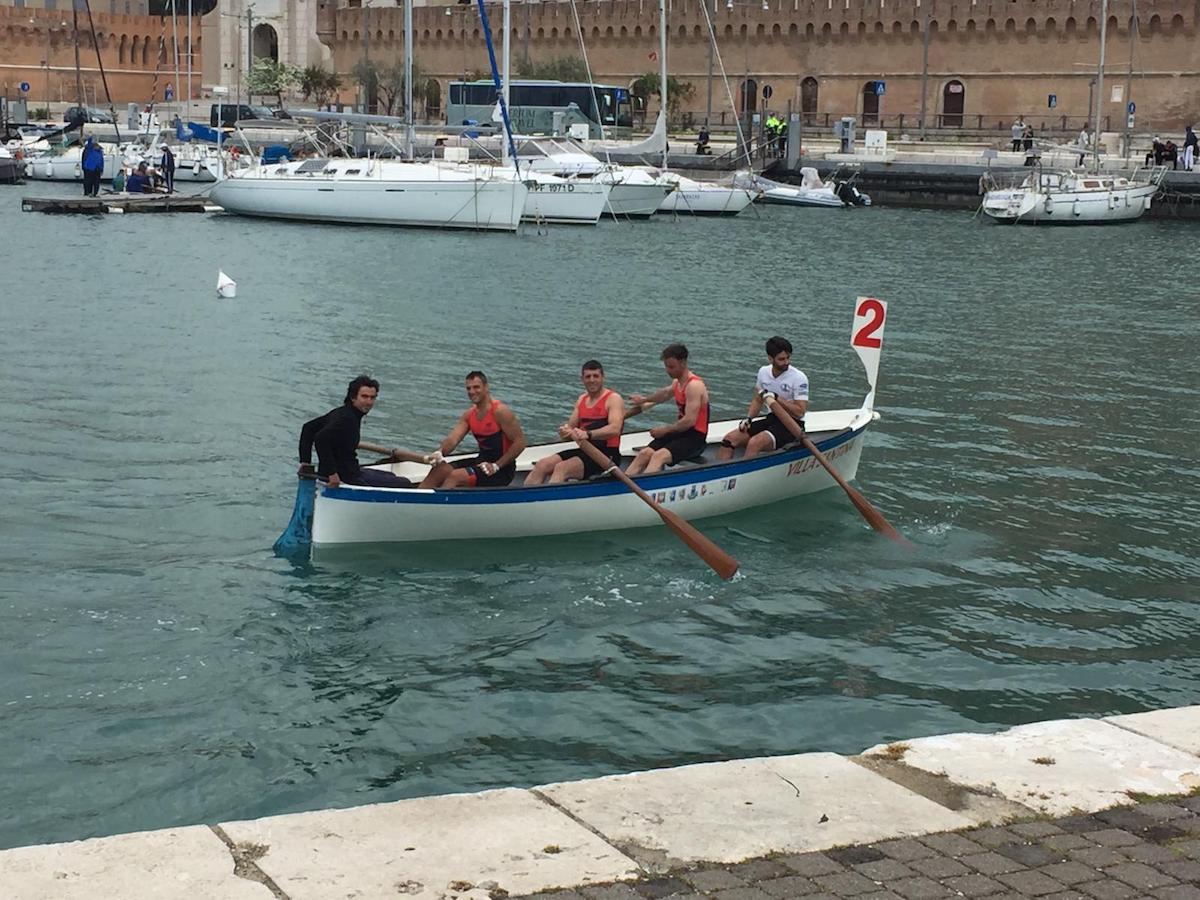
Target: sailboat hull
{"x":1021,"y":206}
{"x":486,"y":205}
{"x":565,"y":202}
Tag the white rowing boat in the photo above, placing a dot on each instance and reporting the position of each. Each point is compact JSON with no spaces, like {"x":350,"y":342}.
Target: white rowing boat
{"x":695,"y":489}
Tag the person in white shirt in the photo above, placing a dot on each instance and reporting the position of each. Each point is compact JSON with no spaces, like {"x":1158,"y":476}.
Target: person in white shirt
{"x":1018,"y":133}
{"x":1085,"y":142}
{"x":783,"y":382}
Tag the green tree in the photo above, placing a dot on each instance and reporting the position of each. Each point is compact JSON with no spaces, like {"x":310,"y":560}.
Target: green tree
{"x":271,"y":77}
{"x":391,"y":88}
{"x":677,"y":92}
{"x":318,"y":84}
{"x":366,"y":75}
{"x":432,"y":95}
{"x":562,"y":68}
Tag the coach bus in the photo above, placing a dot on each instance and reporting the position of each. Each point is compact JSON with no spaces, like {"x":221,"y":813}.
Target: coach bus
{"x":532,"y":105}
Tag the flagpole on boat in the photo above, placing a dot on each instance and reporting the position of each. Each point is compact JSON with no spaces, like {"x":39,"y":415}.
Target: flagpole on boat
{"x":1099,"y":87}
{"x":408,"y":79}
{"x":662,"y":61}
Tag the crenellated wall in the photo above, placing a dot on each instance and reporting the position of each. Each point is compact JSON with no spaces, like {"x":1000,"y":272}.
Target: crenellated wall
{"x":132,"y":48}
{"x":1008,"y":56}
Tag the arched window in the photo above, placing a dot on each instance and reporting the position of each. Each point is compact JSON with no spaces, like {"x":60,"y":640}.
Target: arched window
{"x":870,"y":103}
{"x":808,"y":100}
{"x":748,"y":96}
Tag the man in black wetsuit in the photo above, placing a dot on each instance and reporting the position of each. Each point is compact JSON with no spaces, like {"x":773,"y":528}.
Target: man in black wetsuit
{"x":336,"y":436}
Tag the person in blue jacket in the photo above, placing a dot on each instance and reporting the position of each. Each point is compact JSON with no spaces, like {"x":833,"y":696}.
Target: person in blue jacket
{"x":93,"y":167}
{"x":139,"y":182}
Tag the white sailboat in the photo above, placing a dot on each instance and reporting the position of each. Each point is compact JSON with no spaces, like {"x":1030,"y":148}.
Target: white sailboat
{"x":701,"y":198}
{"x":633,"y":193}
{"x":1067,"y":197}
{"x":377,"y":191}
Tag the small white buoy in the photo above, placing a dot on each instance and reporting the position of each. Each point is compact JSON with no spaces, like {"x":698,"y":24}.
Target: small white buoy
{"x":226,"y":286}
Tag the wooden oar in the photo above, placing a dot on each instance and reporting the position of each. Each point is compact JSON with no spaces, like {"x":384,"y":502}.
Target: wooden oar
{"x":873,"y":516}
{"x":716,"y":558}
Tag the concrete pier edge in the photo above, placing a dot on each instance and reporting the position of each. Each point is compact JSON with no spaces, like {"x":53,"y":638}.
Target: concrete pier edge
{"x":737,"y":827}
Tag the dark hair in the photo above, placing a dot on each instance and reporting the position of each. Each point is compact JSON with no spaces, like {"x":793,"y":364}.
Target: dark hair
{"x":675,"y":351}
{"x":777,"y":345}
{"x":592,"y":365}
{"x":476,"y":374}
{"x":361,"y":381}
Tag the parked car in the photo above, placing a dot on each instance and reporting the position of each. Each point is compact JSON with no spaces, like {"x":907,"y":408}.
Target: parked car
{"x":229,"y":114}
{"x":78,"y":115}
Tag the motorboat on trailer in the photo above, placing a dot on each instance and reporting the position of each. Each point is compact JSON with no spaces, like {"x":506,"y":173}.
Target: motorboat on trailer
{"x":377,"y":191}
{"x":700,"y":488}
{"x":1074,"y":198}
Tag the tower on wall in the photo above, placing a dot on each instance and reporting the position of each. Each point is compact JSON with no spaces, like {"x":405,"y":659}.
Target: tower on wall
{"x":284,"y":30}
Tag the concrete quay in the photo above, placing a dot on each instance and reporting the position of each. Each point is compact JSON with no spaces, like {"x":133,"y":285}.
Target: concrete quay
{"x":1088,"y":809}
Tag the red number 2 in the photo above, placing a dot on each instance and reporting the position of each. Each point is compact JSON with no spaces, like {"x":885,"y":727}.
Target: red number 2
{"x":864,"y":337}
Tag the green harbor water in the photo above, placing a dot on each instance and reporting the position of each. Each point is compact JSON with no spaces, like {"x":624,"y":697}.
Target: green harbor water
{"x":1040,"y":394}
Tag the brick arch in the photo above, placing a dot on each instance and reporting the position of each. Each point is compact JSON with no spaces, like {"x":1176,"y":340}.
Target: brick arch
{"x":392,"y":34}
{"x":1112,"y":25}
{"x":379,"y":36}
{"x":1049,"y":26}
{"x":776,"y":31}
{"x":809,"y":30}
{"x":567,"y":33}
{"x":425,"y":35}
{"x":897,"y":28}
{"x":683,"y":31}
{"x":1177,"y":22}
{"x":1069,"y":27}
{"x":844,"y":29}
{"x":438,"y":35}
{"x":742,"y":31}
{"x":654,"y":31}
{"x":971,"y":26}
{"x":728,"y":31}
{"x":914,"y":27}
{"x":1092,"y":25}
{"x":952,"y":27}
{"x":793,"y":30}
{"x":637,"y":32}
{"x":861,"y":30}
{"x":345,"y":36}
{"x":624,"y":33}
{"x":608,"y":32}
{"x":554,"y":37}
{"x":1155,"y":24}
{"x":122,"y":49}
{"x":355,"y":37}
{"x":595,"y":32}
{"x":1031,"y":25}
{"x":1010,"y":26}
{"x":879,"y":27}
{"x":696,"y":32}
{"x":826,"y":30}
{"x":761,"y":30}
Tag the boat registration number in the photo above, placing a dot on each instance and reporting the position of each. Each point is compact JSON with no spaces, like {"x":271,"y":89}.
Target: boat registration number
{"x":552,"y":188}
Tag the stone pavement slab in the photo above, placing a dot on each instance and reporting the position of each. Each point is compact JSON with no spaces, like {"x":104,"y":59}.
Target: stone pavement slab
{"x":1055,"y":767}
{"x":726,"y":812}
{"x":1179,"y":728}
{"x":433,"y":847}
{"x":175,"y":864}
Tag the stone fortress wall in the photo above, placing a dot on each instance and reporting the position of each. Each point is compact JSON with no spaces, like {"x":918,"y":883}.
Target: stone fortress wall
{"x":1007,"y":56}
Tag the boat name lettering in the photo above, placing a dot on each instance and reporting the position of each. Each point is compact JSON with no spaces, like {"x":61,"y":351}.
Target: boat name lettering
{"x":801,"y":466}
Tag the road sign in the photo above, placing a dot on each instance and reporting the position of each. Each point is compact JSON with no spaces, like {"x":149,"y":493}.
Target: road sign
{"x":767,"y":91}
{"x":1131,"y":107}
{"x":1129,"y":121}
{"x":24,"y":87}
{"x":880,"y":88}
{"x":1052,"y":101}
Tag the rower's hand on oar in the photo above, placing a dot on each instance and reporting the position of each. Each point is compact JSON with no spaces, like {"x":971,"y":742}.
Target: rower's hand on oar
{"x":744,"y":426}
{"x":660,"y":431}
{"x":334,"y":481}
{"x":306,"y":469}
{"x":489,"y":468}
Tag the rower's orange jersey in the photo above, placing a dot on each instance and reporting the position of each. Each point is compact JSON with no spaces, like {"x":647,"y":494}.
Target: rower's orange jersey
{"x":681,"y":402}
{"x":594,"y":416}
{"x":493,"y":442}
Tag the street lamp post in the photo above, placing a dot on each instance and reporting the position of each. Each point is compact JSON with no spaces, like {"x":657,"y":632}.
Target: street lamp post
{"x":928,"y":4}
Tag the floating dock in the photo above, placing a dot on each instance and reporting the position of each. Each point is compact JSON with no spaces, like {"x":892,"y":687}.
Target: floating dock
{"x":119,"y":203}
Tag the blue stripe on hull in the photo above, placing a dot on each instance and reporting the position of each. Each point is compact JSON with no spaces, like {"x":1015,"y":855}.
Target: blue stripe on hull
{"x":583,"y":489}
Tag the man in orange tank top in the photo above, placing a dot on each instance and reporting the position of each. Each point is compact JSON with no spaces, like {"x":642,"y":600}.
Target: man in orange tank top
{"x":688,"y":435}
{"x":498,"y":432}
{"x":598,"y":416}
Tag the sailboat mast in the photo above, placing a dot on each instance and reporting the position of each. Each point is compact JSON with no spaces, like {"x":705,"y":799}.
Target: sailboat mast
{"x":175,"y":46}
{"x":504,"y":72}
{"x":188,"y":108}
{"x":662,"y":58}
{"x":408,"y":79}
{"x":78,"y":75}
{"x":1099,"y":86}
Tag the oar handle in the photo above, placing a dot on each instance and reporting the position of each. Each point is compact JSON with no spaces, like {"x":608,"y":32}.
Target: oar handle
{"x":873,"y":516}
{"x":716,"y":558}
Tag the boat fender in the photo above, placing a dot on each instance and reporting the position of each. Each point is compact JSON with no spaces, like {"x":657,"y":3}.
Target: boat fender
{"x":1049,"y":205}
{"x":1075,"y":208}
{"x":982,"y":189}
{"x":1112,"y":201}
{"x":78,"y":170}
{"x":196,"y":167}
{"x":49,"y":170}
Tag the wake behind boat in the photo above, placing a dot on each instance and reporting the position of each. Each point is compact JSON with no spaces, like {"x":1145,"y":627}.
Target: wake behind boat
{"x":698,"y":488}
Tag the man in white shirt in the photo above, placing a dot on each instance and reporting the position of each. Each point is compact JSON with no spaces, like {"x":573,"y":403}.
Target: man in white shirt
{"x":1018,"y":132}
{"x":780,"y":380}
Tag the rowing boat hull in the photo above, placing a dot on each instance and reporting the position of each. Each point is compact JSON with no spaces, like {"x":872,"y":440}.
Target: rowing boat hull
{"x":351,"y":515}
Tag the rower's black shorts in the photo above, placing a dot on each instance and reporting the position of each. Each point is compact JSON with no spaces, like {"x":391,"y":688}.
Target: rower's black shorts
{"x":590,"y":469}
{"x":682,"y":444}
{"x":501,"y":477}
{"x":771,"y":423}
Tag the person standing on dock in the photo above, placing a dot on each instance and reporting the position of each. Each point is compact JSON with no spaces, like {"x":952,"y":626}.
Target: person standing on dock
{"x":337,"y":434}
{"x":1189,"y":149}
{"x":92,"y":164}
{"x":688,"y":435}
{"x":167,"y":166}
{"x":1018,"y":133}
